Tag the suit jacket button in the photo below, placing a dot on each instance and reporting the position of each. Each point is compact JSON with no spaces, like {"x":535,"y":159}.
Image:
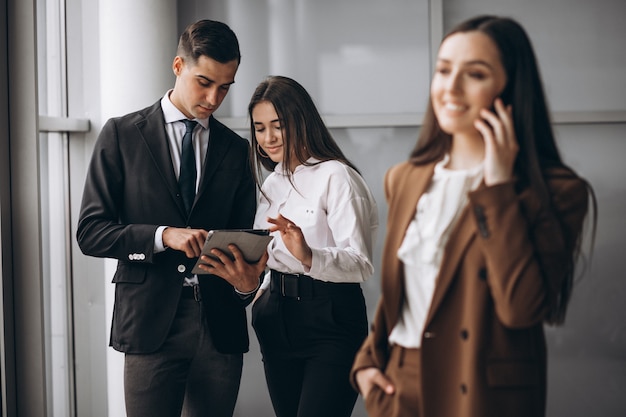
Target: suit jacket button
{"x":181,"y":268}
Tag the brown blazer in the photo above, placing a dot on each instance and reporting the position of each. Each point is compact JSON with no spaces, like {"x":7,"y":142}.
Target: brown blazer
{"x":483,"y":348}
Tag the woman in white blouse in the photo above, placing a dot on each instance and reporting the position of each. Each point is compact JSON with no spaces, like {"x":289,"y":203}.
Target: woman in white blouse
{"x":309,"y":315}
{"x":483,"y":231}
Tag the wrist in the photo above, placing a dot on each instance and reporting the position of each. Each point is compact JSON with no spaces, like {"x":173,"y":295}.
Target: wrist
{"x":246,"y":293}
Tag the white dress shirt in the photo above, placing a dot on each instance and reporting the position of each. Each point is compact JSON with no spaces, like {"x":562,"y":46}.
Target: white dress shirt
{"x":422,"y":248}
{"x":175,"y":128}
{"x":334,"y":208}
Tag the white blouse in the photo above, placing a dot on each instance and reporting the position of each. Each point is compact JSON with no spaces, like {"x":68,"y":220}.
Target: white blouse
{"x":338,"y":216}
{"x":423,"y":245}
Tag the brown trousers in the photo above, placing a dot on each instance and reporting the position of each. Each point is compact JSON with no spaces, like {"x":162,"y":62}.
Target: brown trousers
{"x":403,"y":369}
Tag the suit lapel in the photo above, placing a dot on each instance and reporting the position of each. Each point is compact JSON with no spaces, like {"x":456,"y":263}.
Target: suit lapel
{"x":404,"y":193}
{"x":218,"y":145}
{"x":152,"y":130}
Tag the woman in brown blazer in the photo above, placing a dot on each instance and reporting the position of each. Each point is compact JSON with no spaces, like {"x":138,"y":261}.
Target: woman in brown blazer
{"x":483,"y":232}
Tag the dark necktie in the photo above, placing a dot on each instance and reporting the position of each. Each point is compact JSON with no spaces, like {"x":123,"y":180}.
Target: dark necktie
{"x":187,"y":177}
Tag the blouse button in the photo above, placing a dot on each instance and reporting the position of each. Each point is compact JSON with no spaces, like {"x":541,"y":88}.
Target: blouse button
{"x":181,"y":268}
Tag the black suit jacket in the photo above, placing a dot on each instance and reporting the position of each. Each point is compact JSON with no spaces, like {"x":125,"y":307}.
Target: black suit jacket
{"x":130,"y":190}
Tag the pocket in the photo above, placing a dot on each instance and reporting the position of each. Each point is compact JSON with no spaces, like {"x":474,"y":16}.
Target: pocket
{"x":267,"y":322}
{"x":350,"y":315}
{"x":130,"y":273}
{"x":378,"y":404}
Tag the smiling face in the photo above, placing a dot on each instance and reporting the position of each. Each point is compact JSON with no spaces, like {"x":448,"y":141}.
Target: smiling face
{"x":469,"y":76}
{"x":201,"y":87}
{"x":268,"y":130}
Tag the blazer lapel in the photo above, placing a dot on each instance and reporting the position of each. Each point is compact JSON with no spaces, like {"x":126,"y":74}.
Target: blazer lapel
{"x":218,"y":145}
{"x":152,"y":130}
{"x":404,"y":193}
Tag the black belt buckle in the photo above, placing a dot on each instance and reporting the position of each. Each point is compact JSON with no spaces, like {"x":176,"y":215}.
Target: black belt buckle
{"x":288,"y":285}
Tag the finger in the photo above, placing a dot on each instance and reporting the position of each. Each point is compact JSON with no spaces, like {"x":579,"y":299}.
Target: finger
{"x":273,"y":228}
{"x":223,"y":258}
{"x":206,"y":263}
{"x":282,"y":223}
{"x":496,"y":125}
{"x":279,"y":223}
{"x":284,"y":218}
{"x":263,"y":260}
{"x":236,"y":253}
{"x":487,"y":134}
{"x":506,"y":117}
{"x":383,"y":383}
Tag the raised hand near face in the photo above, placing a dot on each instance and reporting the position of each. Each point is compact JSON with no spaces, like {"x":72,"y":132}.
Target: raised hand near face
{"x":501,"y":145}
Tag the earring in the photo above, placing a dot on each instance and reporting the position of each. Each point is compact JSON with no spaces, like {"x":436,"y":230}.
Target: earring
{"x":260,"y":151}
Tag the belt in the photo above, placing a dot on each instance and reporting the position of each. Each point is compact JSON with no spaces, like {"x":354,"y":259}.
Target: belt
{"x":303,"y":286}
{"x":191,"y":292}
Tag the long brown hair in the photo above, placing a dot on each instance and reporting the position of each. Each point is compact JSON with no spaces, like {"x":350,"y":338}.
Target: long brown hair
{"x":304,"y":131}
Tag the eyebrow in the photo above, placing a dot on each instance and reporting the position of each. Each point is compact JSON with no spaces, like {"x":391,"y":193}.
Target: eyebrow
{"x":212,"y":81}
{"x":466,"y":63}
{"x":271,"y":121}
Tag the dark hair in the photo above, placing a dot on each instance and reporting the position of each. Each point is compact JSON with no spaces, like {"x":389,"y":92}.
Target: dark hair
{"x":531,"y":119}
{"x":302,"y":126}
{"x":209,"y":38}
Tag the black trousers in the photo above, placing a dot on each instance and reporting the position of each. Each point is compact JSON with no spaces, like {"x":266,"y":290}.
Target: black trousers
{"x":187,"y":376}
{"x":308,"y":338}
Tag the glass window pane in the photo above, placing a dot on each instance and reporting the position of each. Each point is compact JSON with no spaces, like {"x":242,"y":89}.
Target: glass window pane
{"x":353,"y":56}
{"x":54,"y":177}
{"x":592,"y":80}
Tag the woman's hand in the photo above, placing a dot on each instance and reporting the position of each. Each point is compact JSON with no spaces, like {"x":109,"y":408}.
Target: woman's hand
{"x":367,"y":378}
{"x":501,"y":145}
{"x":292,"y":238}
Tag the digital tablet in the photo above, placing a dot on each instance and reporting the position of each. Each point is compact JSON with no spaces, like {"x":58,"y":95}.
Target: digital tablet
{"x":251,"y":242}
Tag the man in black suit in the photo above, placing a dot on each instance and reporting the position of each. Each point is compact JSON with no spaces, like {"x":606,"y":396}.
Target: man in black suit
{"x":183,"y":335}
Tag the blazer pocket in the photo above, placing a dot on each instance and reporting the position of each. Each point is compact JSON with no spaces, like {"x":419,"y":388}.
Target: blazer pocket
{"x":513,"y":374}
{"x":130,"y":273}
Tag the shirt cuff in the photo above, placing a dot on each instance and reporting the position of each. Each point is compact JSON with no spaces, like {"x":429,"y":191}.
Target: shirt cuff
{"x":158,"y":239}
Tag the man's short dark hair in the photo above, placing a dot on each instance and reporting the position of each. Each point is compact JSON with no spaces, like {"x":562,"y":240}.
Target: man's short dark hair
{"x":209,"y":38}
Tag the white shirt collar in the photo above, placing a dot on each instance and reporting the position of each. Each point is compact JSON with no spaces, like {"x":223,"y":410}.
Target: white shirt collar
{"x":279,"y":167}
{"x":172,"y":114}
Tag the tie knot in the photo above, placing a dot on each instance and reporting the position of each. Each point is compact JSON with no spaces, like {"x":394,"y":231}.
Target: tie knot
{"x":190,"y":124}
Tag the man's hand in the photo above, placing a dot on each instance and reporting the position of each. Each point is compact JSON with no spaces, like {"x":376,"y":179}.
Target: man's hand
{"x":367,"y":378}
{"x":240,"y":274}
{"x":189,"y":241}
